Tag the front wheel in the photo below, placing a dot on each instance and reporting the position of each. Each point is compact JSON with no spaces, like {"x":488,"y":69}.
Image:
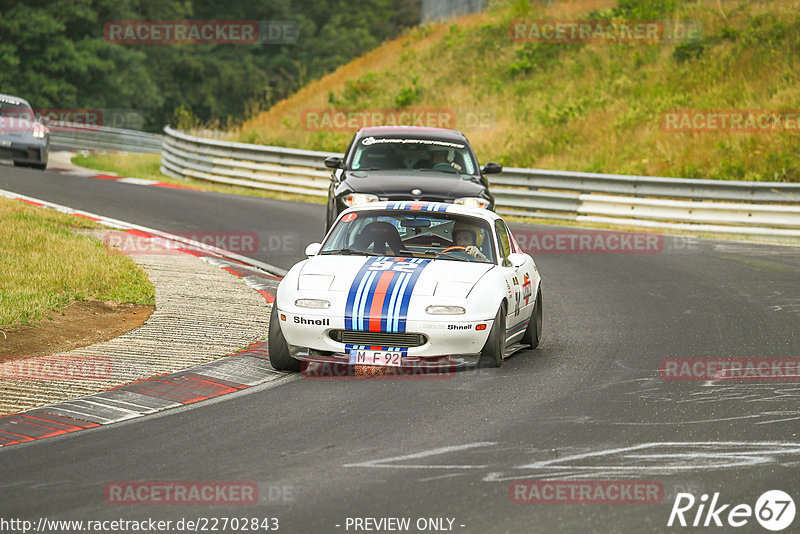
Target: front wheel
{"x":533,"y":334}
{"x":278,"y":349}
{"x":495,"y":348}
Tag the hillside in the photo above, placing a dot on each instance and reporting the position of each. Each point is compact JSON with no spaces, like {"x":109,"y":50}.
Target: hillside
{"x":594,"y":106}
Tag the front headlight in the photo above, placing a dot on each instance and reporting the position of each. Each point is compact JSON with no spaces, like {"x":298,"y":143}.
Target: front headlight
{"x":474,"y":202}
{"x":312,"y":303}
{"x":354,"y":199}
{"x":445,"y":310}
{"x":39,"y":132}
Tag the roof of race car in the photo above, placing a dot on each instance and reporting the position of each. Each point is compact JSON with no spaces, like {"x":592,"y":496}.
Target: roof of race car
{"x":413,"y":205}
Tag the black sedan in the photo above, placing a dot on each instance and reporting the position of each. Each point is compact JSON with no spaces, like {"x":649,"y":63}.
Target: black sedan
{"x":23,"y":137}
{"x":407,"y":163}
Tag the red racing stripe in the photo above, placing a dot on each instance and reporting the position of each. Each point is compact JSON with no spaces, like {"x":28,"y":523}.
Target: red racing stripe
{"x":377,"y":301}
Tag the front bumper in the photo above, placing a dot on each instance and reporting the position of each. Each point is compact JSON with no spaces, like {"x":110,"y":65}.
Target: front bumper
{"x":443,"y":363}
{"x":449,"y":344}
{"x":25,"y":152}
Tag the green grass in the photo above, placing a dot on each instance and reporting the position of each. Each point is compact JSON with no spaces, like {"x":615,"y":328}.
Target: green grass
{"x":45,"y":266}
{"x":593,"y":106}
{"x":147,"y":166}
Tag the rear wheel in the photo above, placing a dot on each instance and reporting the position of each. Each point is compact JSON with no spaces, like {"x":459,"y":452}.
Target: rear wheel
{"x":278,"y":349}
{"x":40,"y":166}
{"x":495,"y":347}
{"x":533,"y":334}
{"x":20,"y":164}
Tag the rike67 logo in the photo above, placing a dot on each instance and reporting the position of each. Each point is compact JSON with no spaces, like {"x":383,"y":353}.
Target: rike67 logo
{"x":774,"y":510}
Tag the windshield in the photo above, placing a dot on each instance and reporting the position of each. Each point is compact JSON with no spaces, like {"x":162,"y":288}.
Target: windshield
{"x":420,"y":154}
{"x":15,"y":109}
{"x":412,"y":234}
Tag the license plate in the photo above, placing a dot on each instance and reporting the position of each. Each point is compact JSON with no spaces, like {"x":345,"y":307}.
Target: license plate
{"x":375,"y":357}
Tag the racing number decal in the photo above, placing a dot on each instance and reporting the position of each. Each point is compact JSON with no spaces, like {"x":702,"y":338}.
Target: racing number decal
{"x":516,"y":296}
{"x":394,"y":265}
{"x":526,"y":289}
{"x":380,"y":294}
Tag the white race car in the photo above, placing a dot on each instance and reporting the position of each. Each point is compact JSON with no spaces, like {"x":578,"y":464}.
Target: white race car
{"x":408,"y":284}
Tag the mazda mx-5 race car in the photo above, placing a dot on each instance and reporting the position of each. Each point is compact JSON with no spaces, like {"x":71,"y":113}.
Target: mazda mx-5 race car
{"x":408,"y":284}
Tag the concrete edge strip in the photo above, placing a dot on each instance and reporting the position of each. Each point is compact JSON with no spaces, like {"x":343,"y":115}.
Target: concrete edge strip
{"x":244,"y":369}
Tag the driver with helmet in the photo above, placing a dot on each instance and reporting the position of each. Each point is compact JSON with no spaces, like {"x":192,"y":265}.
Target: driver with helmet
{"x":442,"y":157}
{"x":467,"y":235}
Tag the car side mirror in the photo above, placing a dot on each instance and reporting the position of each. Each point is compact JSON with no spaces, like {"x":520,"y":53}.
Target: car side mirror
{"x":313,"y":249}
{"x":517,"y":260}
{"x":492,"y":168}
{"x":333,"y":162}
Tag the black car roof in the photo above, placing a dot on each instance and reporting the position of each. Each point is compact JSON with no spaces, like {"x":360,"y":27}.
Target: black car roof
{"x":412,"y":131}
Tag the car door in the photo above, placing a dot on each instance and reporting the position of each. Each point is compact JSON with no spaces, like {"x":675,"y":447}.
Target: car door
{"x":520,"y":281}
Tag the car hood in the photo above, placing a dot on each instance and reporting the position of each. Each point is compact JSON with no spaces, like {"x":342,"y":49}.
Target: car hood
{"x":444,"y":278}
{"x":400,"y":183}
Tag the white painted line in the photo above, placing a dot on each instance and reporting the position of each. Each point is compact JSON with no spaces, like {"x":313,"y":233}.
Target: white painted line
{"x":426,"y":454}
{"x":137,"y":181}
{"x":687,"y":457}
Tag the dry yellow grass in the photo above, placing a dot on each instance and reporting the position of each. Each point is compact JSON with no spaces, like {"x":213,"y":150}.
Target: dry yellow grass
{"x":586,"y":107}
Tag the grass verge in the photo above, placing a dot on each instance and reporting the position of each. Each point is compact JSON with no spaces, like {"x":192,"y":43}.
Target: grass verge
{"x":45,"y":266}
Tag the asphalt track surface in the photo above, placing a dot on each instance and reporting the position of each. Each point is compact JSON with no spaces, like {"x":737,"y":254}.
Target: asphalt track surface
{"x":589,"y":404}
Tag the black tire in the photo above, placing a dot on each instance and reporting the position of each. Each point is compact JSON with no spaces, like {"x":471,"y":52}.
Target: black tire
{"x":39,"y":166}
{"x":20,"y":164}
{"x":278,"y":349}
{"x":495,"y":347}
{"x":533,"y":334}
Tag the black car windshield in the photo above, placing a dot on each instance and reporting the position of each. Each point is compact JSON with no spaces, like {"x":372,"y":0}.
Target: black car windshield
{"x":402,"y":233}
{"x":413,"y":153}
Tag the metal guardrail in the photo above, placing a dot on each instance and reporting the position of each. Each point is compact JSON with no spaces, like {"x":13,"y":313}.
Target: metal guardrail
{"x":76,"y":136}
{"x":757,"y":208}
{"x":286,"y":170}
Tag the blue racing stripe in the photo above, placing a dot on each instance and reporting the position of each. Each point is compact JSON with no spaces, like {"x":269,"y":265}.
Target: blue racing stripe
{"x":516,"y":329}
{"x":424,"y":206}
{"x":355,"y":292}
{"x":398,"y":293}
{"x":400,"y":317}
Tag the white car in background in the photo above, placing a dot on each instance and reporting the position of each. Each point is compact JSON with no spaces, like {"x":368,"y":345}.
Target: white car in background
{"x":408,"y":284}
